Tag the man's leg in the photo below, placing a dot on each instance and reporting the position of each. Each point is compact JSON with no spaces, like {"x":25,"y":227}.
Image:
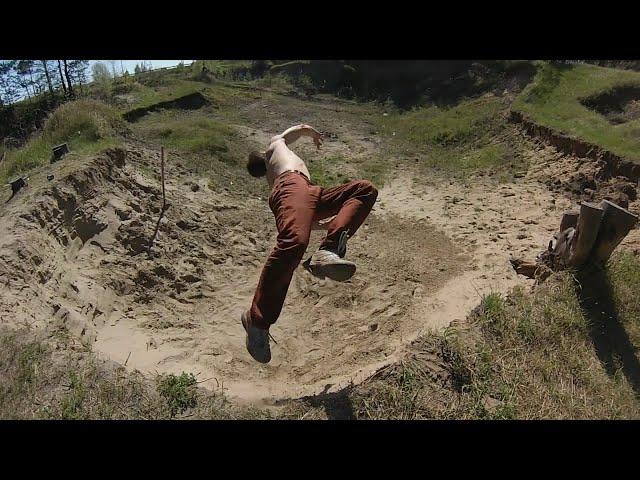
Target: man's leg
{"x":293,"y":204}
{"x":351,"y":204}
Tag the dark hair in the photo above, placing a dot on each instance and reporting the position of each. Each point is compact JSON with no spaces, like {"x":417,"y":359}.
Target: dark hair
{"x":257,"y":164}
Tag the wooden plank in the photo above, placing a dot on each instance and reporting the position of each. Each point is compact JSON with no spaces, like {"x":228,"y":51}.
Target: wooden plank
{"x":586,"y":233}
{"x":569,"y":219}
{"x":615,"y":225}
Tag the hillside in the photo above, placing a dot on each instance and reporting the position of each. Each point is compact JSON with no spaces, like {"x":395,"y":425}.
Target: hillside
{"x":435,"y":324}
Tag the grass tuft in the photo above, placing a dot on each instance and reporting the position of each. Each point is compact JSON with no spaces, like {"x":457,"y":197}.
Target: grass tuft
{"x":179,"y":392}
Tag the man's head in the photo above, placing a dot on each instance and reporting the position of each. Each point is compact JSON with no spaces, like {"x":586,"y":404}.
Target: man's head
{"x":257,"y":164}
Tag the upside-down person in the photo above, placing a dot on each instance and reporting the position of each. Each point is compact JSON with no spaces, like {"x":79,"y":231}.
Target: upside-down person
{"x":299,"y":206}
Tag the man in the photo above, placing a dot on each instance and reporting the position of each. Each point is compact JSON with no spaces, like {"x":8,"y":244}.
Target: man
{"x":298,"y":206}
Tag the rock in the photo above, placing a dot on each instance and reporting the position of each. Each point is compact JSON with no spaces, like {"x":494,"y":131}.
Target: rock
{"x":491,"y":403}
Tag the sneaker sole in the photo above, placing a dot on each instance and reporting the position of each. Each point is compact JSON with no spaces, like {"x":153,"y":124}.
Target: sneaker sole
{"x":266,"y":359}
{"x":339,"y":272}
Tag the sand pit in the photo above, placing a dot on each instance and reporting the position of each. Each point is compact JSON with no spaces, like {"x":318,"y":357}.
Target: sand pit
{"x":74,"y":259}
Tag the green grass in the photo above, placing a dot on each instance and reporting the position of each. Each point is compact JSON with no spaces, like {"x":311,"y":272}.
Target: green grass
{"x":274,"y":81}
{"x":88,"y":126}
{"x":328,"y":171}
{"x":457,"y":140}
{"x":553,"y":99}
{"x":434,"y":126}
{"x":145,"y":96}
{"x":624,"y":277}
{"x":189,"y":133}
{"x":205,"y":145}
{"x":529,"y":355}
{"x":38,"y":380}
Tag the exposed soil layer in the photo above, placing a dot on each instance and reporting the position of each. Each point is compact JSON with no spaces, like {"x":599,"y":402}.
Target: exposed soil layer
{"x":192,"y":101}
{"x":613,"y":165}
{"x":619,"y":105}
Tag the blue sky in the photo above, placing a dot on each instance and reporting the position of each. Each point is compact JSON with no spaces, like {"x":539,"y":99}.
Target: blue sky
{"x":130,"y":64}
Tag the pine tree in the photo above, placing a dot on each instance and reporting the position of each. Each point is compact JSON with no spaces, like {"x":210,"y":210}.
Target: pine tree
{"x":64,"y":87}
{"x":46,"y":73}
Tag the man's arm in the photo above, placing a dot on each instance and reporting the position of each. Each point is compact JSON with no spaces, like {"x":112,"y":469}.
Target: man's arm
{"x":294,"y":133}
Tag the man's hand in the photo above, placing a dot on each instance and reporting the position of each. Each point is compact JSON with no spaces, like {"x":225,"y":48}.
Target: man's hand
{"x":292,"y":134}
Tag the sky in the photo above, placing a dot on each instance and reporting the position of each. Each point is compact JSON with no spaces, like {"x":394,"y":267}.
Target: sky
{"x":130,"y":64}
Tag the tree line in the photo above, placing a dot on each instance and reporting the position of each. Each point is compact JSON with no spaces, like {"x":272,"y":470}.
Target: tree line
{"x":20,"y":79}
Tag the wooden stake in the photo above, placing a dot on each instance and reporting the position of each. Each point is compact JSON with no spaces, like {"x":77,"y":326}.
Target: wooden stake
{"x":164,"y":199}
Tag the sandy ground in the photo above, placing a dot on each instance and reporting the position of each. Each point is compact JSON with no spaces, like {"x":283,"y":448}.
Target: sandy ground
{"x":424,"y":257}
{"x":73,"y":261}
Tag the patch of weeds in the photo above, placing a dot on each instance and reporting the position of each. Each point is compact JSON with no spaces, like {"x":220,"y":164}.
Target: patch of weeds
{"x":72,"y":403}
{"x":457,"y":140}
{"x":179,"y":392}
{"x":28,"y":360}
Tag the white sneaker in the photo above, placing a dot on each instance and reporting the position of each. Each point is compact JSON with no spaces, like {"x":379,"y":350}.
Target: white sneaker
{"x":325,"y":263}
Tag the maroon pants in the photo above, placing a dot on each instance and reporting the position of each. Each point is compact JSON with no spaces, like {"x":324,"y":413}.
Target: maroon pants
{"x":296,"y":203}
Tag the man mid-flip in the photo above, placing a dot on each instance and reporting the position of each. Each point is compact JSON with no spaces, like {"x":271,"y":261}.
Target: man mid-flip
{"x":298,"y":205}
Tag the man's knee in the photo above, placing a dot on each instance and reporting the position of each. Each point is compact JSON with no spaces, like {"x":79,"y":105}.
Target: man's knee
{"x":369,"y":190}
{"x":294,"y":245}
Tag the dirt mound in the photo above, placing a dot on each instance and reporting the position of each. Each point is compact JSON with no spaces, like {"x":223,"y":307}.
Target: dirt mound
{"x":619,"y":105}
{"x":192,"y":101}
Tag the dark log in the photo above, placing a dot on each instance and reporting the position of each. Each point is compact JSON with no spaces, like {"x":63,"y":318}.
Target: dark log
{"x":569,"y":219}
{"x":585,"y":234}
{"x":59,"y":151}
{"x":615,"y":225}
{"x":17,"y":185}
{"x":524,"y":267}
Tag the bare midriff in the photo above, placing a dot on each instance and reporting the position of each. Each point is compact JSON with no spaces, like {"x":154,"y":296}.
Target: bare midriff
{"x":281,"y":159}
